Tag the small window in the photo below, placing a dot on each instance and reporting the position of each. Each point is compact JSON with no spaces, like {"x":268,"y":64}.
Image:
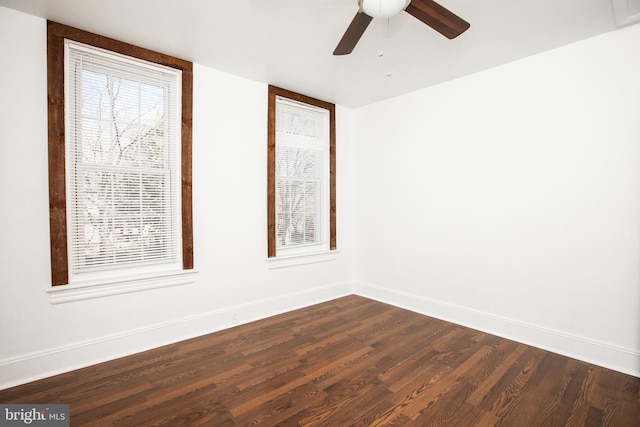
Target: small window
{"x":301,"y":175}
{"x":120,"y":149}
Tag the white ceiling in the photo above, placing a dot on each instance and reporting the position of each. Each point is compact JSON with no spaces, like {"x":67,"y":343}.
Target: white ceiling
{"x":289,"y":43}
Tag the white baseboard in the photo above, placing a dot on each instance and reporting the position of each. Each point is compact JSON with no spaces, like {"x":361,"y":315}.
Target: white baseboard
{"x":588,"y":350}
{"x":34,"y":366}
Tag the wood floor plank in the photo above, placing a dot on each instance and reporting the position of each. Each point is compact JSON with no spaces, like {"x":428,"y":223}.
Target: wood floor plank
{"x":347,"y":362}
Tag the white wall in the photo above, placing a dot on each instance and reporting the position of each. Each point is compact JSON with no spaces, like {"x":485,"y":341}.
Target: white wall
{"x":509,"y":200}
{"x":229,"y":200}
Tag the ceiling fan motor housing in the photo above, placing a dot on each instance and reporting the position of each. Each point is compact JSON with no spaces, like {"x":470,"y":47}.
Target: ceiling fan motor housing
{"x":383,"y":9}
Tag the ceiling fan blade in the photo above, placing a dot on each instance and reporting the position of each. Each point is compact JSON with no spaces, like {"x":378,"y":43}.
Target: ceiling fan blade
{"x":437,"y":17}
{"x":351,"y":37}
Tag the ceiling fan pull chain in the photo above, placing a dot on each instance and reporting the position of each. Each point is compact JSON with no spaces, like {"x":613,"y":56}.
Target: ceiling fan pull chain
{"x":380,"y":40}
{"x":381,"y":50}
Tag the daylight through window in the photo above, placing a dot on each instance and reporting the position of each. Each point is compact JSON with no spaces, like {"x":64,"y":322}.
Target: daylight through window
{"x":122,"y":161}
{"x":302,"y":181}
{"x":301,"y":164}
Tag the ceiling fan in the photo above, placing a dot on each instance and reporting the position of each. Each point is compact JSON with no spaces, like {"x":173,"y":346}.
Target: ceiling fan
{"x":431,"y":13}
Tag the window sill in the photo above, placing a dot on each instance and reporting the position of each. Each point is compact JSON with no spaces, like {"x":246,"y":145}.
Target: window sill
{"x":283,"y":261}
{"x":84,"y":291}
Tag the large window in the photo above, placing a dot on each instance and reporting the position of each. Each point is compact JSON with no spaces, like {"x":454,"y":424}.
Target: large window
{"x":301,"y":175}
{"x":120,"y":160}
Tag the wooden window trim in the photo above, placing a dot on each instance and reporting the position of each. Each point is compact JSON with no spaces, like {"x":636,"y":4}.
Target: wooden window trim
{"x":271,"y":163}
{"x":56,"y":34}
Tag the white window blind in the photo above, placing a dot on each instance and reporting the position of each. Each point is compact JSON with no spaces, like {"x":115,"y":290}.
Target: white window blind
{"x":302,"y":173}
{"x":123,"y":135}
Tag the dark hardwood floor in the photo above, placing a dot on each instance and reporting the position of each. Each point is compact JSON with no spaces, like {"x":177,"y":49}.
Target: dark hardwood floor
{"x":351,"y":361}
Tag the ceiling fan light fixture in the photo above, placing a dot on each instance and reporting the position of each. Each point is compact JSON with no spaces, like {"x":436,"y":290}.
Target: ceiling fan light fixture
{"x":383,"y":9}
